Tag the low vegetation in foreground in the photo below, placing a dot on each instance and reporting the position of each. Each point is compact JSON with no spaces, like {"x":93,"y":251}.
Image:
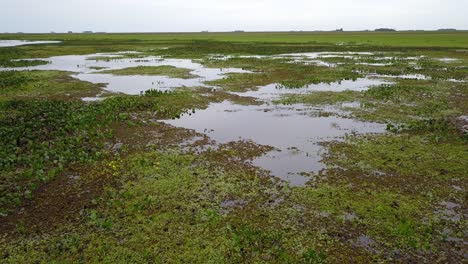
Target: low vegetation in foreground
{"x":107,"y":182}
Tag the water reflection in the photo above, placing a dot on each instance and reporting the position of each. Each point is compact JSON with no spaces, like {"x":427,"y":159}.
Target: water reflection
{"x":294,"y":131}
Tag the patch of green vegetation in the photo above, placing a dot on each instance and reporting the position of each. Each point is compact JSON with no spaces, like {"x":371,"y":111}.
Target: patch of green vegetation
{"x":11,"y":57}
{"x":106,"y":58}
{"x":424,"y":67}
{"x":407,"y":101}
{"x":410,"y":101}
{"x":160,"y":104}
{"x":169,"y":205}
{"x":165,"y":209}
{"x":21,"y":63}
{"x":44,"y":84}
{"x":169,"y":71}
{"x":321,"y":98}
{"x":13,"y":79}
{"x":405,"y":179}
{"x":40,"y":137}
{"x":267,"y":71}
{"x":311,"y":79}
{"x":391,"y":219}
{"x":97,"y":68}
{"x":422,"y":156}
{"x":120,"y":56}
{"x":239,"y":82}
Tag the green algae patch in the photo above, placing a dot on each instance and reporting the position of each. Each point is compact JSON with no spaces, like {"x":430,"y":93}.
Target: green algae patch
{"x":169,"y":71}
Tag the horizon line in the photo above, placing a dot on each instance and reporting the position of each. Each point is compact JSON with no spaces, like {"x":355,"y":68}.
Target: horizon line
{"x":384,"y":30}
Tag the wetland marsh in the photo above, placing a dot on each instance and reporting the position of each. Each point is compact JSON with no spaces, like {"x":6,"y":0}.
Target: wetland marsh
{"x":241,"y":147}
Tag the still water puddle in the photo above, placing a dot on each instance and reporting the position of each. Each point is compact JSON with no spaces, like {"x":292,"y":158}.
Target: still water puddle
{"x":14,"y":43}
{"x":448,"y":59}
{"x":89,"y":67}
{"x":135,"y":84}
{"x":374,"y":64}
{"x":402,"y":76}
{"x":295,"y":132}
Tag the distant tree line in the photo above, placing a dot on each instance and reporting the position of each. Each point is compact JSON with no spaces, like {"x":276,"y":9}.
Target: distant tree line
{"x":447,"y":29}
{"x":385,"y":30}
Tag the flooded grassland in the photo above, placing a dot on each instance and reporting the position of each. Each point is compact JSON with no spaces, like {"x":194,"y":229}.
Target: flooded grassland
{"x":204,"y":151}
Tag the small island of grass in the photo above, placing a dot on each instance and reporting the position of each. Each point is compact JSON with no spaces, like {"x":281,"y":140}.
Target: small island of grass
{"x":169,"y":71}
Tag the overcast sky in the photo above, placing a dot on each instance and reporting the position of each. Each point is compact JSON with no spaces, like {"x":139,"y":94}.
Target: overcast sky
{"x":227,"y":15}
